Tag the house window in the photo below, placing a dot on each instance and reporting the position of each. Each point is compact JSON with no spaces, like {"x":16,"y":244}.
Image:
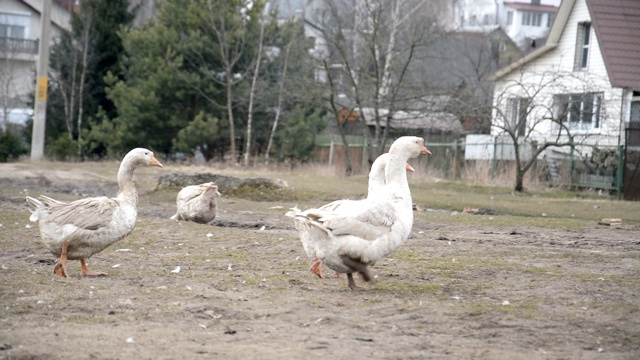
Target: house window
{"x":550,"y":18}
{"x":582,"y":46}
{"x":509,"y":18}
{"x":634,"y":114}
{"x":579,"y":111}
{"x":517,"y":111}
{"x":530,"y":18}
{"x":14,"y":25}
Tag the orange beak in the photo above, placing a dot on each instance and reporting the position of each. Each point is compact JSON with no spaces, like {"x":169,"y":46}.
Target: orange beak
{"x":424,"y":151}
{"x":154,"y":161}
{"x":409,"y":168}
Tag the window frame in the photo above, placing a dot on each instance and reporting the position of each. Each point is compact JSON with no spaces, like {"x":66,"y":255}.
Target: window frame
{"x":15,"y":25}
{"x":531,"y":18}
{"x":517,"y":114}
{"x":583,"y":46}
{"x":579,"y":111}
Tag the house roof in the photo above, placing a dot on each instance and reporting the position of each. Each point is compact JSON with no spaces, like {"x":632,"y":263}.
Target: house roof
{"x":618,"y":32}
{"x":440,"y":121}
{"x":531,"y":7}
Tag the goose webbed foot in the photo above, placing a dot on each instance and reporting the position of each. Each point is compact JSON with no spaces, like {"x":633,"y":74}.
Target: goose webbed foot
{"x":317,"y":267}
{"x":87,"y":272}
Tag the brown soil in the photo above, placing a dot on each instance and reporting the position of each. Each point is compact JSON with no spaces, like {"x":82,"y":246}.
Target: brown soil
{"x":244,"y":290}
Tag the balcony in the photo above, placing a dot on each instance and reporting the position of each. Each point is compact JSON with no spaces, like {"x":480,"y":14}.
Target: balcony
{"x":18,"y":46}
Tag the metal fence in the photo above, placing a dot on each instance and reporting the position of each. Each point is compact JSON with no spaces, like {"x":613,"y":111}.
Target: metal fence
{"x":600,"y":168}
{"x":447,"y":158}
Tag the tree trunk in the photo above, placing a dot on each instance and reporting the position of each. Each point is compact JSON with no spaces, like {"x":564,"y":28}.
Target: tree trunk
{"x":247,"y":148}
{"x":279,"y":107}
{"x":69,"y":108}
{"x":232,"y":133}
{"x":347,"y":152}
{"x":519,"y":180}
{"x":83,"y":73}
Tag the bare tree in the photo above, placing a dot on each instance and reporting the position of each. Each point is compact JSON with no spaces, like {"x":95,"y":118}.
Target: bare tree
{"x":370,"y":58}
{"x":70,"y":60}
{"x":551,"y":108}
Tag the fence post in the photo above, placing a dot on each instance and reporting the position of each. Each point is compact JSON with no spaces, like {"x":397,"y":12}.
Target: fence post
{"x":363,"y":164}
{"x":331,"y":152}
{"x":571,"y":164}
{"x":494,"y":160}
{"x":619,"y":173}
{"x":457,"y":150}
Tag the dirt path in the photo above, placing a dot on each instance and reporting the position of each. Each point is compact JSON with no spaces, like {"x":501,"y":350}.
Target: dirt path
{"x":244,"y":290}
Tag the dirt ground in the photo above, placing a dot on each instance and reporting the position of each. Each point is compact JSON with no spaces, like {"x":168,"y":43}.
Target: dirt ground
{"x":243,"y":289}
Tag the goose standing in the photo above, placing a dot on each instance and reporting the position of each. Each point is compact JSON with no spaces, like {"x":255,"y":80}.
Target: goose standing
{"x":76,"y":230}
{"x":349,"y":241}
{"x":197,"y":203}
{"x":376,"y":186}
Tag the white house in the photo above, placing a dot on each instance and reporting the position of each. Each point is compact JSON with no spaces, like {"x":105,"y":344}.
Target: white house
{"x":527,"y":22}
{"x":584,"y":82}
{"x":20,"y":28}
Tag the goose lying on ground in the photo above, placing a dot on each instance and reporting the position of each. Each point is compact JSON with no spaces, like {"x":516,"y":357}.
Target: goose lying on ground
{"x":76,"y":230}
{"x":376,"y":185}
{"x":197,"y":203}
{"x":348,"y":241}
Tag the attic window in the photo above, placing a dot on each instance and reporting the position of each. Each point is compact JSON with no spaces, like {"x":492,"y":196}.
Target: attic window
{"x":582,"y":46}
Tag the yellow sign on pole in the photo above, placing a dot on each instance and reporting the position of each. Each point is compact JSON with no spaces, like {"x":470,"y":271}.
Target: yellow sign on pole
{"x":41,"y":94}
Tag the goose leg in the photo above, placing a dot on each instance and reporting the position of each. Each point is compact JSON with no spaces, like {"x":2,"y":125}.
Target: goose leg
{"x":86,"y":272}
{"x":317,"y":267}
{"x":358,"y":266}
{"x":61,"y":264}
{"x":352,"y":283}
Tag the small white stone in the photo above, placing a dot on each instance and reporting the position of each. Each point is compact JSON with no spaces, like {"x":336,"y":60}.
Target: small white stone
{"x":176,"y":270}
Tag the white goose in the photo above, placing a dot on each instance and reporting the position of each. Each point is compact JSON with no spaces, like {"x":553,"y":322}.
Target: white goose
{"x":197,"y":203}
{"x":376,"y":186}
{"x":349,"y":241}
{"x":81,"y":228}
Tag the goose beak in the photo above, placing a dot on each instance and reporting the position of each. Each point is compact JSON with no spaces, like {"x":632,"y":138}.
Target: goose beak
{"x":154,"y":161}
{"x":424,"y":151}
{"x":409,"y":168}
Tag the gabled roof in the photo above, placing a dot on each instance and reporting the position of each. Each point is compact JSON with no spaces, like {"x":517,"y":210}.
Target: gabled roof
{"x":617,"y":27}
{"x":617,"y":30}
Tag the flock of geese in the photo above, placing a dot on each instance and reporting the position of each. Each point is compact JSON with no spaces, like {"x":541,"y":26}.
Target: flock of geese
{"x":346,"y":235}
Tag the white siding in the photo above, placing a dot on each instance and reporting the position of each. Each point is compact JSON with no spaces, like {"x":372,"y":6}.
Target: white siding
{"x":560,"y":62}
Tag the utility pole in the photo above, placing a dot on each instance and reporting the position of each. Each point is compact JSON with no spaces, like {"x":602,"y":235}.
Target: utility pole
{"x":40,"y":108}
